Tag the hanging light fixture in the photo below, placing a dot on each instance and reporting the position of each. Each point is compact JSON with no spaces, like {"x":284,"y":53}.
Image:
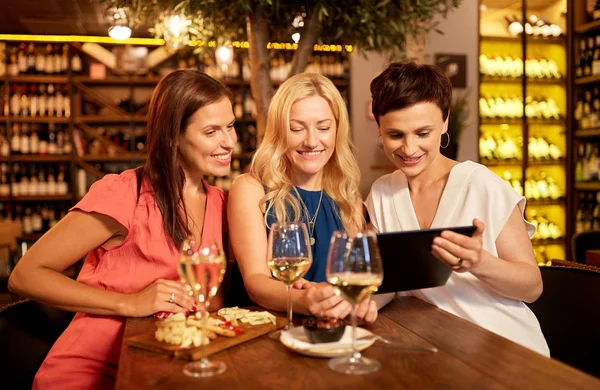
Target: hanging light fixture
{"x":224,"y":56}
{"x":176,"y":34}
{"x":297,"y":24}
{"x":120,"y":29}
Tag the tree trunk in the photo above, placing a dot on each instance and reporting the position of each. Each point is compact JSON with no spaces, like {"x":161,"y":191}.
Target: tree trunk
{"x":260,"y":79}
{"x":308,"y":38}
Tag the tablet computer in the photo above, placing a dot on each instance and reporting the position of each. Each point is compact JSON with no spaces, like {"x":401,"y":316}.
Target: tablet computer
{"x":408,"y":263}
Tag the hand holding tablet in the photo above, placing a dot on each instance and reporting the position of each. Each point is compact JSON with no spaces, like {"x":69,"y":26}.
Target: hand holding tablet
{"x":408,"y":262}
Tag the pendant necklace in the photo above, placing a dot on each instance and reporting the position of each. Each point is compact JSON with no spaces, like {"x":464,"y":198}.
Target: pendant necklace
{"x":311,"y":221}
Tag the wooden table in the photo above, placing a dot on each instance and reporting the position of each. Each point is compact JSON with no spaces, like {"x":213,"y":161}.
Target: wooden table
{"x":469,"y":357}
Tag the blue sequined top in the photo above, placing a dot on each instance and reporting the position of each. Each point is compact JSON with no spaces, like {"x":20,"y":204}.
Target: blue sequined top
{"x":327,"y":222}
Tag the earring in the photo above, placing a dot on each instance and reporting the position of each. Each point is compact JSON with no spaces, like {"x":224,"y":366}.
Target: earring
{"x":379,"y":142}
{"x":447,"y":143}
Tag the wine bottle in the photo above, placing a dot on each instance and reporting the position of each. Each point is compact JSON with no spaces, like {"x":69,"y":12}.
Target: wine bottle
{"x":596,"y":12}
{"x":31,"y":58}
{"x":587,"y":70}
{"x":15,"y":140}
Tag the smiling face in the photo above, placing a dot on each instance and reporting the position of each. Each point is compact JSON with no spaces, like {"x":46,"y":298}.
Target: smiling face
{"x":411,"y":136}
{"x":311,"y":138}
{"x":206,"y":145}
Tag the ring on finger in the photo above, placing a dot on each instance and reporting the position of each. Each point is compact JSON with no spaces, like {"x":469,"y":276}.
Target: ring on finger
{"x":458,"y":264}
{"x":172,"y":298}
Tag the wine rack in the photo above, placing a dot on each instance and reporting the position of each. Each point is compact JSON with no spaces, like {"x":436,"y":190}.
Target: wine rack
{"x":100,"y":127}
{"x":585,"y":103}
{"x":523,"y":115}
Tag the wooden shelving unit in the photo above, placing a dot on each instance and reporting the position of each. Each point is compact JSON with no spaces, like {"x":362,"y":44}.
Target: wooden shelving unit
{"x":108,"y":110}
{"x":583,"y":28}
{"x":35,"y":119}
{"x":25,"y":78}
{"x":587,"y":133}
{"x":37,"y":198}
{"x":546,"y":202}
{"x":124,"y":157}
{"x":518,"y":80}
{"x":587,"y":80}
{"x":34,"y":158}
{"x":593,"y":186}
{"x":532,"y":39}
{"x":518,"y":121}
{"x":520,"y":130}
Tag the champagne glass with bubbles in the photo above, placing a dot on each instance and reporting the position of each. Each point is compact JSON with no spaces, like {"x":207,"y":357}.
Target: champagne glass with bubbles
{"x":203,"y":272}
{"x":355,"y":270}
{"x":289,"y":256}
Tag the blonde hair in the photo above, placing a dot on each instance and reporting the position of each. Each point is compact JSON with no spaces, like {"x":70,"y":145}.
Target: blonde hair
{"x":270,"y":166}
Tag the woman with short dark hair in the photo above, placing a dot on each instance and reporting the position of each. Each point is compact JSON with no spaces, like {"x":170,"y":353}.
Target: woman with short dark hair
{"x":495,"y":269}
{"x":131,"y":227}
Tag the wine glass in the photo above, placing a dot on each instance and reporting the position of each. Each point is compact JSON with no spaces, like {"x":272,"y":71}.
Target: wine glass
{"x":355,"y":270}
{"x":289,"y":256}
{"x":203,"y":272}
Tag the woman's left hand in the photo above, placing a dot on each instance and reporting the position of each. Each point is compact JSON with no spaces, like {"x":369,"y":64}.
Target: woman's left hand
{"x":462,"y":253}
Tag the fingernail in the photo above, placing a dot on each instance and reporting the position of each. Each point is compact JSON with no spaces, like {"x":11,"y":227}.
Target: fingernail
{"x":168,"y":315}
{"x":187,"y":312}
{"x":160,"y":315}
{"x":193,"y":308}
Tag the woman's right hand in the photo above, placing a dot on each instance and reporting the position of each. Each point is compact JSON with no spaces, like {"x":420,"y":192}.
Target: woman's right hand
{"x":155,"y":298}
{"x":321,"y":301}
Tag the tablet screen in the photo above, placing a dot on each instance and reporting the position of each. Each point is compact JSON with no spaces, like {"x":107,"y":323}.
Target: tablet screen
{"x":407,"y":260}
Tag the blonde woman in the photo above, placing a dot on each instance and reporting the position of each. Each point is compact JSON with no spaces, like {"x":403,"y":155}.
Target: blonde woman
{"x":304,"y":170}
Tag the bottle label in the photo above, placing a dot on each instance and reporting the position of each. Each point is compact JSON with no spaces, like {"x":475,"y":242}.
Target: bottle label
{"x":43,"y":147}
{"x":36,"y":223}
{"x":27,"y":227}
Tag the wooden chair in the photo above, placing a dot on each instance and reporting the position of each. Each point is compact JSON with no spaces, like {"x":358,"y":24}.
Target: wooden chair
{"x":569,"y":313}
{"x":27,"y":332}
{"x":584,"y":241}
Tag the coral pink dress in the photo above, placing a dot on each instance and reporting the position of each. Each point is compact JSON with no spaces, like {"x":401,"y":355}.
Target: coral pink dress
{"x":86,"y":355}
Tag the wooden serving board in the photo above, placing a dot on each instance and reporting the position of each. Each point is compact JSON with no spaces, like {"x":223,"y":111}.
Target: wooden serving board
{"x":148,"y":342}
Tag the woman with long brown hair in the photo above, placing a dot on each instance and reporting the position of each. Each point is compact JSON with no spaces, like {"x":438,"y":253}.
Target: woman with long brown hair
{"x":131,"y":227}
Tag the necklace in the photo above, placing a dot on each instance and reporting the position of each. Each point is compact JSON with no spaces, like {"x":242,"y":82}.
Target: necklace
{"x":311,"y":221}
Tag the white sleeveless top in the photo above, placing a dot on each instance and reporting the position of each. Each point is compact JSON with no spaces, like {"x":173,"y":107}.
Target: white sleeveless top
{"x":472,"y":191}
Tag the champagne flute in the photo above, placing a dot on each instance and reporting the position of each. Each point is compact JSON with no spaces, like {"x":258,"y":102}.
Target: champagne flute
{"x":355,"y":270}
{"x":289,"y":256}
{"x":203,"y":272}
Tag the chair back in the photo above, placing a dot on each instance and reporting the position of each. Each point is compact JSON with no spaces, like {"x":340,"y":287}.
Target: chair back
{"x":569,"y":313}
{"x":584,"y":241}
{"x":28,"y":330}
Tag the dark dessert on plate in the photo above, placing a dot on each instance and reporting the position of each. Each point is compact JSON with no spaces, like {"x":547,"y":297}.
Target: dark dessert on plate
{"x":324,"y":330}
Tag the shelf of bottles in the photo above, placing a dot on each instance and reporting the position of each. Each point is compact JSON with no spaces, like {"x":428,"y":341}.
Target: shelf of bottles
{"x":523,"y":139}
{"x":35,"y":134}
{"x":66,"y":119}
{"x":586,"y":121}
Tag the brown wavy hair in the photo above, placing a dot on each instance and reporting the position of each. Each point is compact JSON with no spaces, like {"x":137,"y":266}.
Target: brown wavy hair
{"x":174,"y":100}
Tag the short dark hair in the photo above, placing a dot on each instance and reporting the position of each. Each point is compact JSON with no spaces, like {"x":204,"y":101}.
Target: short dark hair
{"x":404,"y":84}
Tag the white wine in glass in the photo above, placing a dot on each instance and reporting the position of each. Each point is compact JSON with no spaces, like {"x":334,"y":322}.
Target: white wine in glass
{"x":355,"y":270}
{"x":289,"y":256}
{"x":203,"y":272}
